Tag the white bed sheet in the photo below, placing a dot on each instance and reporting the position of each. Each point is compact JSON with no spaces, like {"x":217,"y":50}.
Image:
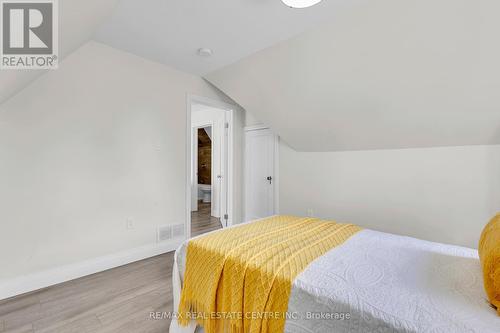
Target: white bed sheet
{"x":389,"y":283}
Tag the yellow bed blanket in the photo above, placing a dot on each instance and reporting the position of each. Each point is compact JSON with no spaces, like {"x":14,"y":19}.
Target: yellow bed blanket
{"x":238,"y":280}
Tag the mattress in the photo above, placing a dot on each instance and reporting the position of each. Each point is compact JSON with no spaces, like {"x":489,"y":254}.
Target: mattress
{"x":379,"y":282}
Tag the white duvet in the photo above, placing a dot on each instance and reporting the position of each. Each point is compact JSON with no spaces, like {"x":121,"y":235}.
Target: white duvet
{"x":378,"y":282}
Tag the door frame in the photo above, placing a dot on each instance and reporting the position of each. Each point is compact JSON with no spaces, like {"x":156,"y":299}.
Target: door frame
{"x":276,"y":169}
{"x":230,"y":167}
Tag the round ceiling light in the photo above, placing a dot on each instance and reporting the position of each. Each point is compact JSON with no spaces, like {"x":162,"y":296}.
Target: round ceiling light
{"x":300,"y":3}
{"x":204,"y":52}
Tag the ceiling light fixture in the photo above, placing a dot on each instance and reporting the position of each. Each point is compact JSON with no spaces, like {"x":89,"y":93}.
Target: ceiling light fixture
{"x":300,"y":3}
{"x":204,"y":52}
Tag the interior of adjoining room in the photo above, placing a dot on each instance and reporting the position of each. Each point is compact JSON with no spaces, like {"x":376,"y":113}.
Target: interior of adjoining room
{"x":206,"y":215}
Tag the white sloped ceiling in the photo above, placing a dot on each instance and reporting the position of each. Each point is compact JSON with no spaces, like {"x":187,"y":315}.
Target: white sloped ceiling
{"x":78,"y":20}
{"x":382,"y":74}
{"x":170,"y":32}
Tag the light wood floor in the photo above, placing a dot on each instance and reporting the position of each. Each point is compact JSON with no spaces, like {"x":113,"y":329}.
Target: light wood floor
{"x":202,"y":222}
{"x":119,"y":300}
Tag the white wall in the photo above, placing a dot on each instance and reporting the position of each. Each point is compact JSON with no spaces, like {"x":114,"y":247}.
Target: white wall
{"x":439,"y":194}
{"x":250,"y":119}
{"x":87,"y":147}
{"x":378,"y":70}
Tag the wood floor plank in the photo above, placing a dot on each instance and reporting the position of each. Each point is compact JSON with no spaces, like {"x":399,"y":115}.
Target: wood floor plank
{"x":118,"y":300}
{"x":17,"y":320}
{"x":27,"y":328}
{"x":18,"y":304}
{"x":87,"y":324}
{"x":202,"y":221}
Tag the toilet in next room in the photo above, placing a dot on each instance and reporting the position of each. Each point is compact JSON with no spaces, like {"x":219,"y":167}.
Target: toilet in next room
{"x":205,"y":193}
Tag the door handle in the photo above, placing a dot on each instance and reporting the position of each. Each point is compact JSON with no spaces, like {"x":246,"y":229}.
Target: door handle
{"x":270,"y":179}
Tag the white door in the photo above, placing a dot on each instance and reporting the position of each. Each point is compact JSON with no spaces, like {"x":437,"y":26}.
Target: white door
{"x":260,"y":178}
{"x":219,"y":142}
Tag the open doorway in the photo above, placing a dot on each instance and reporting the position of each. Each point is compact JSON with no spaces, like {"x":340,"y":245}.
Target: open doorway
{"x":205,"y":206}
{"x":204,"y":171}
{"x":210,"y":167}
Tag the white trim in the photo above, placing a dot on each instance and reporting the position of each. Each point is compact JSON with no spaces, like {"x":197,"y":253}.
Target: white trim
{"x":189,"y":137}
{"x":255,"y":127}
{"x":230,"y":164}
{"x":192,"y":99}
{"x":24,"y":284}
{"x":212,"y":102}
{"x":276,"y":174}
{"x":193,"y":174}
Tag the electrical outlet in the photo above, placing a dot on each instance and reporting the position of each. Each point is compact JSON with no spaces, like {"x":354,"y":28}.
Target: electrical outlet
{"x":129,"y":224}
{"x":310,"y":212}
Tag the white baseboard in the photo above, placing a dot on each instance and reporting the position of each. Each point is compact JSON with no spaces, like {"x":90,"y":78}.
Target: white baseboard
{"x":43,"y":279}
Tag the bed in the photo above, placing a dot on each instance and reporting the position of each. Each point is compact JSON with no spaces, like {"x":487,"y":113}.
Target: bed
{"x":379,"y":282}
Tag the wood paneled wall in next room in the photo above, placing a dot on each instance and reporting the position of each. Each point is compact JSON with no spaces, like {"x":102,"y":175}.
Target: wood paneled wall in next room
{"x":204,"y":157}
